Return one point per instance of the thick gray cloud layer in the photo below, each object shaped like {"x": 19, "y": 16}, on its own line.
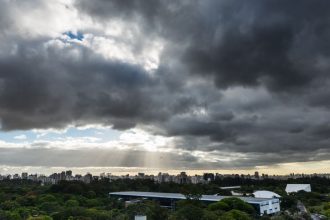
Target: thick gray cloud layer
{"x": 233, "y": 76}
{"x": 115, "y": 158}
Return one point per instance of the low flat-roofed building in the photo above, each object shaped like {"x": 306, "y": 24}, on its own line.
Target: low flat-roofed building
{"x": 290, "y": 188}
{"x": 230, "y": 187}
{"x": 265, "y": 194}
{"x": 262, "y": 205}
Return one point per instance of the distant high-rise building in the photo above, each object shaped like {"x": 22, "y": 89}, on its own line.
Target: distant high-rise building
{"x": 33, "y": 177}
{"x": 68, "y": 173}
{"x": 24, "y": 176}
{"x": 182, "y": 178}
{"x": 256, "y": 175}
{"x": 78, "y": 176}
{"x": 264, "y": 176}
{"x": 88, "y": 178}
{"x": 208, "y": 176}
{"x": 62, "y": 175}
{"x": 163, "y": 177}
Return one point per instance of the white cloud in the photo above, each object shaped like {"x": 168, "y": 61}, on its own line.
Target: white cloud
{"x": 20, "y": 137}
{"x": 44, "y": 132}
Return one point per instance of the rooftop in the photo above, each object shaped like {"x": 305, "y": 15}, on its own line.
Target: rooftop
{"x": 211, "y": 198}
{"x": 265, "y": 194}
{"x": 297, "y": 187}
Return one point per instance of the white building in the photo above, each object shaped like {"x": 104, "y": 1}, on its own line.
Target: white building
{"x": 269, "y": 207}
{"x": 265, "y": 194}
{"x": 262, "y": 205}
{"x": 290, "y": 188}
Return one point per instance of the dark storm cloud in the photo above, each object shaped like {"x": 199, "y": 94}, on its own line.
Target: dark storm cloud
{"x": 262, "y": 43}
{"x": 322, "y": 131}
{"x": 53, "y": 89}
{"x": 234, "y": 76}
{"x": 223, "y": 116}
{"x": 216, "y": 131}
{"x": 237, "y": 42}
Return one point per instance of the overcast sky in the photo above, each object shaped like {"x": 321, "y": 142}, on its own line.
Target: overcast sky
{"x": 134, "y": 85}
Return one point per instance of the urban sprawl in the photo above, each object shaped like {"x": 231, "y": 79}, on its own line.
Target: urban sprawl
{"x": 181, "y": 178}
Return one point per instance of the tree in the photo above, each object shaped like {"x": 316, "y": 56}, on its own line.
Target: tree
{"x": 9, "y": 205}
{"x": 27, "y": 200}
{"x": 236, "y": 203}
{"x": 71, "y": 203}
{"x": 189, "y": 212}
{"x": 219, "y": 206}
{"x": 43, "y": 217}
{"x": 93, "y": 202}
{"x": 327, "y": 213}
{"x": 91, "y": 194}
{"x": 235, "y": 215}
{"x": 288, "y": 202}
{"x": 326, "y": 206}
{"x": 192, "y": 192}
{"x": 149, "y": 208}
{"x": 208, "y": 215}
{"x": 23, "y": 212}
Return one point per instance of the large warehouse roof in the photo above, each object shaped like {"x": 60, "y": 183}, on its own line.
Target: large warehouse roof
{"x": 178, "y": 196}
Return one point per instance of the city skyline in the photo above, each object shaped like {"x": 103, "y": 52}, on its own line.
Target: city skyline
{"x": 176, "y": 176}
{"x": 147, "y": 86}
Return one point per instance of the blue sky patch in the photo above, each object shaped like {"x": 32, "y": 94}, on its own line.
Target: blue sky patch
{"x": 20, "y": 136}
{"x": 78, "y": 35}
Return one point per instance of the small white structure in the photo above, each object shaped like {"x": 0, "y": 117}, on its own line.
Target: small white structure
{"x": 230, "y": 187}
{"x": 140, "y": 217}
{"x": 290, "y": 188}
{"x": 265, "y": 194}
{"x": 233, "y": 193}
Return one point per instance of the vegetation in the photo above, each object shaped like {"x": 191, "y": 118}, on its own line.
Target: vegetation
{"x": 21, "y": 200}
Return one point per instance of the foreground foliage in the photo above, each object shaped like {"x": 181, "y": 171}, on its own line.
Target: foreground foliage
{"x": 21, "y": 200}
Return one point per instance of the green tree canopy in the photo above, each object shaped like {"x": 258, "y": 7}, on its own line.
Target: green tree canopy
{"x": 235, "y": 215}
{"x": 236, "y": 203}
{"x": 221, "y": 205}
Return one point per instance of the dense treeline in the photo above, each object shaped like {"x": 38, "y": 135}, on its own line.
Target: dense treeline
{"x": 102, "y": 187}
{"x": 318, "y": 184}
{"x": 75, "y": 200}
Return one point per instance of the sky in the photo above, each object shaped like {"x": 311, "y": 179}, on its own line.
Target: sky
{"x": 164, "y": 85}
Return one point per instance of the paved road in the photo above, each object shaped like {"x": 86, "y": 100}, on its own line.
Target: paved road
{"x": 318, "y": 217}
{"x": 301, "y": 207}
{"x": 315, "y": 217}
